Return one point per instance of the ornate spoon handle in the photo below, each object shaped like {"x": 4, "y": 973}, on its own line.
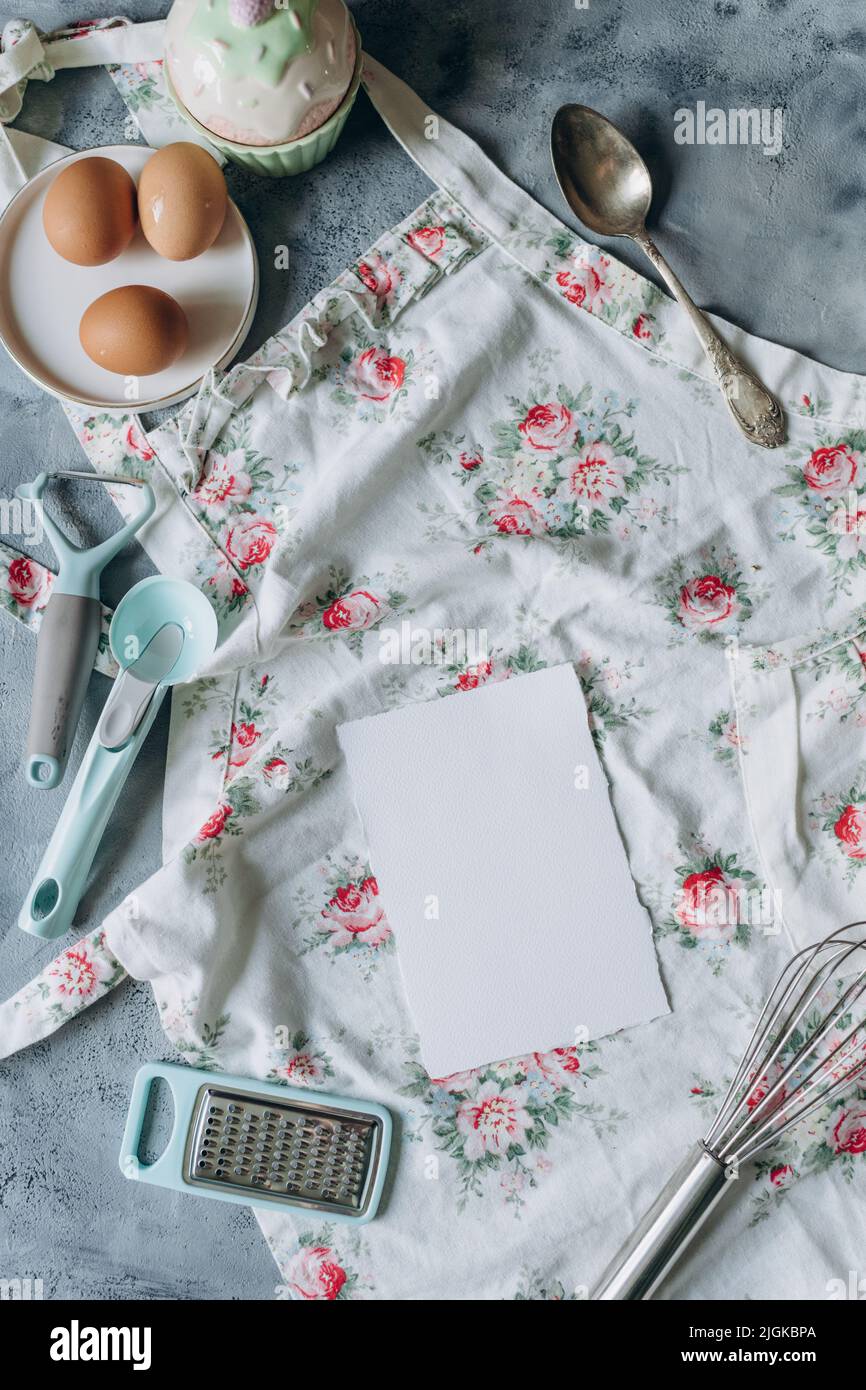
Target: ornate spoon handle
{"x": 757, "y": 413}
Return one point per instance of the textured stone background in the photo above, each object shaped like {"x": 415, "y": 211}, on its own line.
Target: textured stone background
{"x": 775, "y": 244}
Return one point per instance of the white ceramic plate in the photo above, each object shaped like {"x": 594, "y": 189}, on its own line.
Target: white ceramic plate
{"x": 42, "y": 298}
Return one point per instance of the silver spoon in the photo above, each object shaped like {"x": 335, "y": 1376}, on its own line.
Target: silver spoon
{"x": 607, "y": 185}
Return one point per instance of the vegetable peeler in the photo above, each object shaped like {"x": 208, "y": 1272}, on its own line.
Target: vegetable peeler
{"x": 69, "y": 633}
{"x": 161, "y": 632}
{"x": 262, "y": 1144}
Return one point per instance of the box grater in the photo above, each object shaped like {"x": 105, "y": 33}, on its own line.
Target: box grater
{"x": 262, "y": 1144}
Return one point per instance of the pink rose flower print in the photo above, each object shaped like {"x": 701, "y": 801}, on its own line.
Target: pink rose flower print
{"x": 782, "y": 1175}
{"x": 136, "y": 443}
{"x": 74, "y": 975}
{"x": 244, "y": 738}
{"x": 546, "y": 426}
{"x": 492, "y": 1120}
{"x": 761, "y": 1089}
{"x": 379, "y": 276}
{"x": 353, "y": 612}
{"x": 848, "y": 526}
{"x": 707, "y": 602}
{"x": 354, "y": 915}
{"x": 849, "y": 1131}
{"x": 473, "y": 676}
{"x": 708, "y": 905}
{"x": 214, "y": 825}
{"x": 276, "y": 772}
{"x": 595, "y": 474}
{"x": 469, "y": 461}
{"x": 585, "y": 287}
{"x": 850, "y": 830}
{"x": 302, "y": 1069}
{"x": 29, "y": 584}
{"x": 378, "y": 375}
{"x": 642, "y": 328}
{"x": 250, "y": 542}
{"x": 831, "y": 470}
{"x": 430, "y": 241}
{"x": 224, "y": 481}
{"x": 518, "y": 516}
{"x": 313, "y": 1273}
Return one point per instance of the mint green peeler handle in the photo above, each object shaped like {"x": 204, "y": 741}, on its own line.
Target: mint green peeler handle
{"x": 68, "y": 637}
{"x": 52, "y": 902}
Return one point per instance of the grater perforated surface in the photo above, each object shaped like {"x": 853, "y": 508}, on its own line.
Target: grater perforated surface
{"x": 318, "y": 1157}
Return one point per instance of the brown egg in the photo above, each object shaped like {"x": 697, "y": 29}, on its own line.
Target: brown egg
{"x": 135, "y": 330}
{"x": 89, "y": 213}
{"x": 181, "y": 201}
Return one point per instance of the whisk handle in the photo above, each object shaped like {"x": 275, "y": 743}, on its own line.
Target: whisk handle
{"x": 666, "y": 1229}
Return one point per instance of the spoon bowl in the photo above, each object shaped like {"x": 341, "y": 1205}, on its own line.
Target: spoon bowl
{"x": 601, "y": 175}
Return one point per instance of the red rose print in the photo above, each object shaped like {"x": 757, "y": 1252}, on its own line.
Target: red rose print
{"x": 469, "y": 462}
{"x": 428, "y": 240}
{"x": 708, "y": 905}
{"x": 347, "y": 898}
{"x": 707, "y": 602}
{"x": 137, "y": 443}
{"x": 584, "y": 287}
{"x": 850, "y": 828}
{"x": 849, "y": 1133}
{"x": 377, "y": 276}
{"x": 244, "y": 738}
{"x": 831, "y": 471}
{"x": 596, "y": 473}
{"x": 224, "y": 480}
{"x": 29, "y": 583}
{"x": 251, "y": 541}
{"x": 215, "y": 824}
{"x": 546, "y": 426}
{"x": 492, "y": 1120}
{"x": 573, "y": 290}
{"x": 378, "y": 376}
{"x": 474, "y": 676}
{"x": 353, "y": 612}
{"x": 782, "y": 1175}
{"x": 354, "y": 915}
{"x": 75, "y": 973}
{"x": 642, "y": 328}
{"x": 518, "y": 516}
{"x": 276, "y": 770}
{"x": 303, "y": 1069}
{"x": 761, "y": 1090}
{"x": 313, "y": 1273}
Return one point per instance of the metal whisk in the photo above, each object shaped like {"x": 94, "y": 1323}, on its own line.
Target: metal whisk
{"x": 808, "y": 1046}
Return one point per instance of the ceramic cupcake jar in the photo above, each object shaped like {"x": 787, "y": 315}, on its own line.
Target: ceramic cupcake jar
{"x": 268, "y": 82}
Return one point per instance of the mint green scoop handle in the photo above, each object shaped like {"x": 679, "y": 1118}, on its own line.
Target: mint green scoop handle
{"x": 52, "y": 902}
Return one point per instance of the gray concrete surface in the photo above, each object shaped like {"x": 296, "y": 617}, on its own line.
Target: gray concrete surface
{"x": 773, "y": 243}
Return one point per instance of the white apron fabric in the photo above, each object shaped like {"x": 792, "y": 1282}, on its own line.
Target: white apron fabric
{"x": 485, "y": 423}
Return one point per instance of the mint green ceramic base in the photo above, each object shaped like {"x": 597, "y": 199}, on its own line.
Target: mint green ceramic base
{"x": 294, "y": 157}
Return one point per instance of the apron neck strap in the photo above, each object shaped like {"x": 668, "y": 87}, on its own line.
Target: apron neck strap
{"x": 447, "y": 156}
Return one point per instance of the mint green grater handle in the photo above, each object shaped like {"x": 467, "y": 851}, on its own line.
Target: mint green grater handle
{"x": 186, "y": 1084}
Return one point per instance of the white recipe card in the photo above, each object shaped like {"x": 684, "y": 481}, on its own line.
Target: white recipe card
{"x": 502, "y": 871}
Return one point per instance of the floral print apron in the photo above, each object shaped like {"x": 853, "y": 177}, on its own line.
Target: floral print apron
{"x": 486, "y": 423}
